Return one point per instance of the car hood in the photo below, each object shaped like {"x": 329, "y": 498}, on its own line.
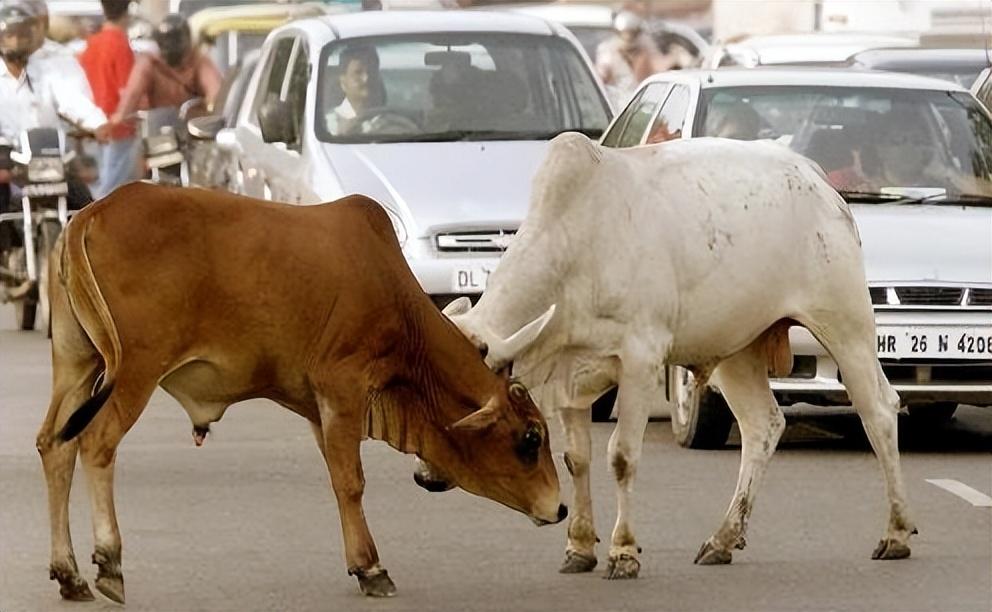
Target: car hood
{"x": 443, "y": 185}
{"x": 913, "y": 242}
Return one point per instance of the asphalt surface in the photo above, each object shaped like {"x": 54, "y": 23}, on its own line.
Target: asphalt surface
{"x": 248, "y": 521}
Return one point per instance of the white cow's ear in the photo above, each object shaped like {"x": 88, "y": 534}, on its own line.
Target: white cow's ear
{"x": 481, "y": 419}
{"x": 457, "y": 307}
{"x": 510, "y": 348}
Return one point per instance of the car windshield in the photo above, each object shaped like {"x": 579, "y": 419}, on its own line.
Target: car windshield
{"x": 896, "y": 142}
{"x": 455, "y": 86}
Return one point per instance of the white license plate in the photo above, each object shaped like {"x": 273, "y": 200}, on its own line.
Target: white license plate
{"x": 954, "y": 342}
{"x": 470, "y": 279}
{"x": 44, "y": 190}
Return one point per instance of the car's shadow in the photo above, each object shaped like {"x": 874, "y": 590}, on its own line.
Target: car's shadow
{"x": 969, "y": 431}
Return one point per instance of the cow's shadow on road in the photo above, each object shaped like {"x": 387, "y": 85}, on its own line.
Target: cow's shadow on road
{"x": 969, "y": 431}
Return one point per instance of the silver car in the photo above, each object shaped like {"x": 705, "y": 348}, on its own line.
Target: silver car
{"x": 451, "y": 118}
{"x": 913, "y": 157}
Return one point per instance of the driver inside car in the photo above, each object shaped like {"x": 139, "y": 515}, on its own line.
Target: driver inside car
{"x": 363, "y": 90}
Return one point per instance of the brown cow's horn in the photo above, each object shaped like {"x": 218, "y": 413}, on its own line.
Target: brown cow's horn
{"x": 480, "y": 419}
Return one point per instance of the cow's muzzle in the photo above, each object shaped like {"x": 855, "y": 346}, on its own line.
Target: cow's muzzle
{"x": 562, "y": 514}
{"x": 427, "y": 479}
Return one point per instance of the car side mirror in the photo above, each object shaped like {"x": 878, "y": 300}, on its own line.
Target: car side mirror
{"x": 276, "y": 120}
{"x": 205, "y": 127}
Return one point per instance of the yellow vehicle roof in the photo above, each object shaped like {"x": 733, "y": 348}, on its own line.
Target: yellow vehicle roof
{"x": 259, "y": 18}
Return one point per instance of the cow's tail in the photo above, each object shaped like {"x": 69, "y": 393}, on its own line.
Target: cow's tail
{"x": 93, "y": 314}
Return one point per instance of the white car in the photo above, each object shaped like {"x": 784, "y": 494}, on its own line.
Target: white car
{"x": 812, "y": 48}
{"x": 913, "y": 157}
{"x": 469, "y": 102}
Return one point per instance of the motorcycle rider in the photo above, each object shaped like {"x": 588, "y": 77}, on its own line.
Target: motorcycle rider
{"x": 33, "y": 94}
{"x": 181, "y": 73}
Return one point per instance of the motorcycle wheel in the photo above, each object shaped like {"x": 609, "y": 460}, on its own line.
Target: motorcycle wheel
{"x": 25, "y": 311}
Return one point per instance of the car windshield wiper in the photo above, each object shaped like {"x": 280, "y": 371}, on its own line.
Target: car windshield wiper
{"x": 871, "y": 197}
{"x": 479, "y": 135}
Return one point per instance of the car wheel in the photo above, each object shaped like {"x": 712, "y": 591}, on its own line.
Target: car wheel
{"x": 700, "y": 417}
{"x": 602, "y": 408}
{"x": 933, "y": 413}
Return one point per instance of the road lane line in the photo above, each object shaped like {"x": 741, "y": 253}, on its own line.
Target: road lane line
{"x": 972, "y": 496}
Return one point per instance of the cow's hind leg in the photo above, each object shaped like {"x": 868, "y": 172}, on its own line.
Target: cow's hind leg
{"x": 98, "y": 450}
{"x": 850, "y": 340}
{"x": 580, "y": 554}
{"x": 341, "y": 448}
{"x": 743, "y": 380}
{"x": 75, "y": 363}
{"x": 59, "y": 462}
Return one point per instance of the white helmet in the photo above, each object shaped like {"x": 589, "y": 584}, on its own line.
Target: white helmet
{"x": 626, "y": 21}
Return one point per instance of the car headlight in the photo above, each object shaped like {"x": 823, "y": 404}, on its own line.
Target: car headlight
{"x": 46, "y": 170}
{"x": 398, "y": 227}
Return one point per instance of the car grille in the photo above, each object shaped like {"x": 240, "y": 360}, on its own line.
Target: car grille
{"x": 980, "y": 297}
{"x": 488, "y": 241}
{"x": 930, "y": 297}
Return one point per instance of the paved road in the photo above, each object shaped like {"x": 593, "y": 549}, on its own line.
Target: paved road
{"x": 248, "y": 521}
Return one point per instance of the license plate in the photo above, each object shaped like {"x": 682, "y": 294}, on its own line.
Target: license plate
{"x": 934, "y": 341}
{"x": 44, "y": 190}
{"x": 470, "y": 279}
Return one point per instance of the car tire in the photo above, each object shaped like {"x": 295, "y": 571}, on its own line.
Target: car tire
{"x": 933, "y": 413}
{"x": 701, "y": 418}
{"x": 602, "y": 408}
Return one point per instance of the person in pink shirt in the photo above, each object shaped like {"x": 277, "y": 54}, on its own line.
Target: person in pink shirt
{"x": 108, "y": 61}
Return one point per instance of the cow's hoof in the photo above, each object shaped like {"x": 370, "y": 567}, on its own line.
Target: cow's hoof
{"x": 711, "y": 555}
{"x": 71, "y": 586}
{"x": 624, "y": 567}
{"x": 741, "y": 543}
{"x": 888, "y": 549}
{"x": 577, "y": 563}
{"x": 376, "y": 585}
{"x": 75, "y": 589}
{"x": 112, "y": 587}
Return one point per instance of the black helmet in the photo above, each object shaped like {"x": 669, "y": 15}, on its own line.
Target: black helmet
{"x": 174, "y": 40}
{"x": 19, "y": 23}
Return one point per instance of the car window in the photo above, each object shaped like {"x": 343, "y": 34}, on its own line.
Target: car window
{"x": 274, "y": 74}
{"x": 891, "y": 141}
{"x": 629, "y": 127}
{"x": 985, "y": 90}
{"x": 456, "y": 86}
{"x": 668, "y": 124}
{"x": 295, "y": 89}
{"x": 642, "y": 114}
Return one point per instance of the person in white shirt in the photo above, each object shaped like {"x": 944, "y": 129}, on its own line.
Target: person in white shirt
{"x": 362, "y": 86}
{"x": 31, "y": 93}
{"x": 62, "y": 58}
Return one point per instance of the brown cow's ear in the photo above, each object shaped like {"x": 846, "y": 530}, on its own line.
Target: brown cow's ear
{"x": 481, "y": 419}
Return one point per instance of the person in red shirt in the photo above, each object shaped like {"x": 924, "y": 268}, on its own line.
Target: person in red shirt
{"x": 108, "y": 62}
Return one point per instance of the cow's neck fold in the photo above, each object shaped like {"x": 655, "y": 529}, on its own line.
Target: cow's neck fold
{"x": 437, "y": 379}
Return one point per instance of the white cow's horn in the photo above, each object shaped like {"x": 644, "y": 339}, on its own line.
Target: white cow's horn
{"x": 503, "y": 352}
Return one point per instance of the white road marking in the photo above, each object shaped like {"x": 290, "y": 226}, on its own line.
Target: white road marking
{"x": 972, "y": 496}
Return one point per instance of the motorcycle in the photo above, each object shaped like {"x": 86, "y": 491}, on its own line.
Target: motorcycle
{"x": 166, "y": 142}
{"x": 37, "y": 165}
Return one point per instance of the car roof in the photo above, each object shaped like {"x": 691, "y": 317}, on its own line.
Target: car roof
{"x": 920, "y": 57}
{"x": 808, "y": 77}
{"x": 814, "y": 47}
{"x": 385, "y": 23}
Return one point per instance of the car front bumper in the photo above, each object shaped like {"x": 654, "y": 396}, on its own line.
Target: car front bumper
{"x": 815, "y": 378}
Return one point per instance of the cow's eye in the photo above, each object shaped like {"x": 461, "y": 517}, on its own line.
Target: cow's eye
{"x": 530, "y": 444}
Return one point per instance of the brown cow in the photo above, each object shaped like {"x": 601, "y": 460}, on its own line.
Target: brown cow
{"x": 219, "y": 298}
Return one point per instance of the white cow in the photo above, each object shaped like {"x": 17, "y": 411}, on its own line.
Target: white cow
{"x": 699, "y": 253}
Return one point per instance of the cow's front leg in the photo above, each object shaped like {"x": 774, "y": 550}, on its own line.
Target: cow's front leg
{"x": 342, "y": 439}
{"x": 580, "y": 553}
{"x": 641, "y": 386}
